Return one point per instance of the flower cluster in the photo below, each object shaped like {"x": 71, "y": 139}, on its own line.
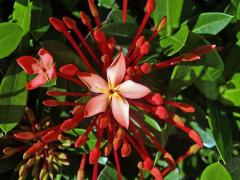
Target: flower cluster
{"x": 114, "y": 90}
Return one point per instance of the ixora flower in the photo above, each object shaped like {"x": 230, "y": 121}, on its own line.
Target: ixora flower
{"x": 116, "y": 93}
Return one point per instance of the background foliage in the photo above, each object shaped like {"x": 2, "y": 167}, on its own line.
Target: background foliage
{"x": 212, "y": 85}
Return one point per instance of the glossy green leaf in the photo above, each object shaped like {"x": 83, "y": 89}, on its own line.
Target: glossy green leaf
{"x": 211, "y": 23}
{"x": 170, "y": 8}
{"x": 109, "y": 173}
{"x": 10, "y": 37}
{"x": 215, "y": 171}
{"x": 231, "y": 91}
{"x": 13, "y": 97}
{"x": 233, "y": 167}
{"x": 221, "y": 129}
{"x": 106, "y": 3}
{"x": 41, "y": 11}
{"x": 173, "y": 44}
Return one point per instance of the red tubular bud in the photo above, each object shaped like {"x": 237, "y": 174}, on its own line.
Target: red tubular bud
{"x": 51, "y": 103}
{"x": 148, "y": 164}
{"x": 116, "y": 144}
{"x": 28, "y": 135}
{"x": 57, "y": 24}
{"x": 12, "y": 150}
{"x": 93, "y": 8}
{"x": 69, "y": 70}
{"x": 145, "y": 48}
{"x": 99, "y": 36}
{"x": 70, "y": 23}
{"x": 162, "y": 23}
{"x": 178, "y": 120}
{"x": 157, "y": 99}
{"x": 140, "y": 41}
{"x": 94, "y": 155}
{"x": 108, "y": 149}
{"x": 54, "y": 93}
{"x": 50, "y": 136}
{"x": 85, "y": 19}
{"x": 195, "y": 137}
{"x": 193, "y": 149}
{"x": 69, "y": 124}
{"x": 120, "y": 133}
{"x": 204, "y": 49}
{"x": 146, "y": 68}
{"x": 105, "y": 59}
{"x": 126, "y": 149}
{"x": 161, "y": 112}
{"x": 168, "y": 157}
{"x": 150, "y": 6}
{"x": 156, "y": 173}
{"x": 80, "y": 141}
{"x": 33, "y": 149}
{"x": 190, "y": 57}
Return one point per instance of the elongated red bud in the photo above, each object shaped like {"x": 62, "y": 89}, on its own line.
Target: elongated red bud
{"x": 27, "y": 135}
{"x": 140, "y": 41}
{"x": 168, "y": 157}
{"x": 204, "y": 49}
{"x": 55, "y": 93}
{"x": 145, "y": 48}
{"x": 126, "y": 149}
{"x": 70, "y": 23}
{"x": 190, "y": 57}
{"x": 178, "y": 121}
{"x": 148, "y": 164}
{"x": 69, "y": 124}
{"x": 108, "y": 149}
{"x": 162, "y": 23}
{"x": 57, "y": 24}
{"x": 85, "y": 19}
{"x": 195, "y": 137}
{"x": 161, "y": 112}
{"x": 186, "y": 108}
{"x": 33, "y": 149}
{"x": 12, "y": 150}
{"x": 193, "y": 149}
{"x": 116, "y": 144}
{"x": 51, "y": 103}
{"x": 69, "y": 70}
{"x": 157, "y": 99}
{"x": 93, "y": 8}
{"x": 80, "y": 141}
{"x": 99, "y": 36}
{"x": 150, "y": 6}
{"x": 120, "y": 133}
{"x": 50, "y": 136}
{"x": 156, "y": 173}
{"x": 94, "y": 155}
{"x": 146, "y": 68}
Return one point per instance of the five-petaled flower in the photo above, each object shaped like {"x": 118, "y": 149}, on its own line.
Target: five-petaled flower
{"x": 112, "y": 91}
{"x": 44, "y": 68}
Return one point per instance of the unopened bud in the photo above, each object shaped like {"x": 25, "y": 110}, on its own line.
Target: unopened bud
{"x": 145, "y": 48}
{"x": 80, "y": 141}
{"x": 140, "y": 42}
{"x": 162, "y": 112}
{"x": 94, "y": 155}
{"x": 30, "y": 162}
{"x": 126, "y": 149}
{"x": 93, "y": 8}
{"x": 193, "y": 149}
{"x": 43, "y": 172}
{"x": 70, "y": 23}
{"x": 148, "y": 164}
{"x": 157, "y": 99}
{"x": 28, "y": 135}
{"x": 108, "y": 149}
{"x": 150, "y": 6}
{"x": 69, "y": 70}
{"x": 99, "y": 36}
{"x": 57, "y": 24}
{"x": 85, "y": 19}
{"x": 162, "y": 23}
{"x": 146, "y": 68}
{"x": 168, "y": 157}
{"x": 195, "y": 137}
{"x": 116, "y": 144}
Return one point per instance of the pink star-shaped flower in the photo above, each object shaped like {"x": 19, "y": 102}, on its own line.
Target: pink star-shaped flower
{"x": 113, "y": 92}
{"x": 44, "y": 68}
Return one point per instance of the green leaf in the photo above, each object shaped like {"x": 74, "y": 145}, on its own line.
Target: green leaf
{"x": 221, "y": 129}
{"x": 211, "y": 23}
{"x": 173, "y": 44}
{"x": 109, "y": 173}
{"x": 13, "y": 97}
{"x": 215, "y": 171}
{"x": 205, "y": 73}
{"x": 106, "y": 3}
{"x": 233, "y": 167}
{"x": 170, "y": 8}
{"x": 230, "y": 92}
{"x": 10, "y": 37}
{"x": 41, "y": 11}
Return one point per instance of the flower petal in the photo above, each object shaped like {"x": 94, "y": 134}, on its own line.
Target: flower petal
{"x": 120, "y": 110}
{"x": 45, "y": 57}
{"x": 29, "y": 64}
{"x": 117, "y": 70}
{"x": 94, "y": 82}
{"x": 38, "y": 81}
{"x": 51, "y": 72}
{"x": 132, "y": 90}
{"x": 96, "y": 105}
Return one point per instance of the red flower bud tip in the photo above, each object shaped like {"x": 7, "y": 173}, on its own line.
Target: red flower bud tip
{"x": 193, "y": 149}
{"x": 162, "y": 23}
{"x": 108, "y": 149}
{"x": 105, "y": 59}
{"x": 140, "y": 42}
{"x": 99, "y": 36}
{"x": 190, "y": 57}
{"x": 111, "y": 43}
{"x": 94, "y": 155}
{"x": 126, "y": 149}
{"x": 120, "y": 133}
{"x": 28, "y": 135}
{"x": 178, "y": 120}
{"x": 148, "y": 164}
{"x": 80, "y": 141}
{"x": 11, "y": 150}
{"x": 140, "y": 165}
{"x": 204, "y": 49}
{"x": 156, "y": 173}
{"x": 146, "y": 68}
{"x": 195, "y": 137}
{"x": 186, "y": 108}
{"x": 145, "y": 48}
{"x": 78, "y": 109}
{"x": 168, "y": 157}
{"x": 161, "y": 112}
{"x": 54, "y": 93}
{"x": 150, "y": 6}
{"x": 69, "y": 70}
{"x": 69, "y": 124}
{"x": 33, "y": 149}
{"x": 93, "y": 8}
{"x": 57, "y": 24}
{"x": 116, "y": 144}
{"x": 51, "y": 103}
{"x": 50, "y": 136}
{"x": 157, "y": 99}
{"x": 104, "y": 122}
{"x": 85, "y": 19}
{"x": 70, "y": 23}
